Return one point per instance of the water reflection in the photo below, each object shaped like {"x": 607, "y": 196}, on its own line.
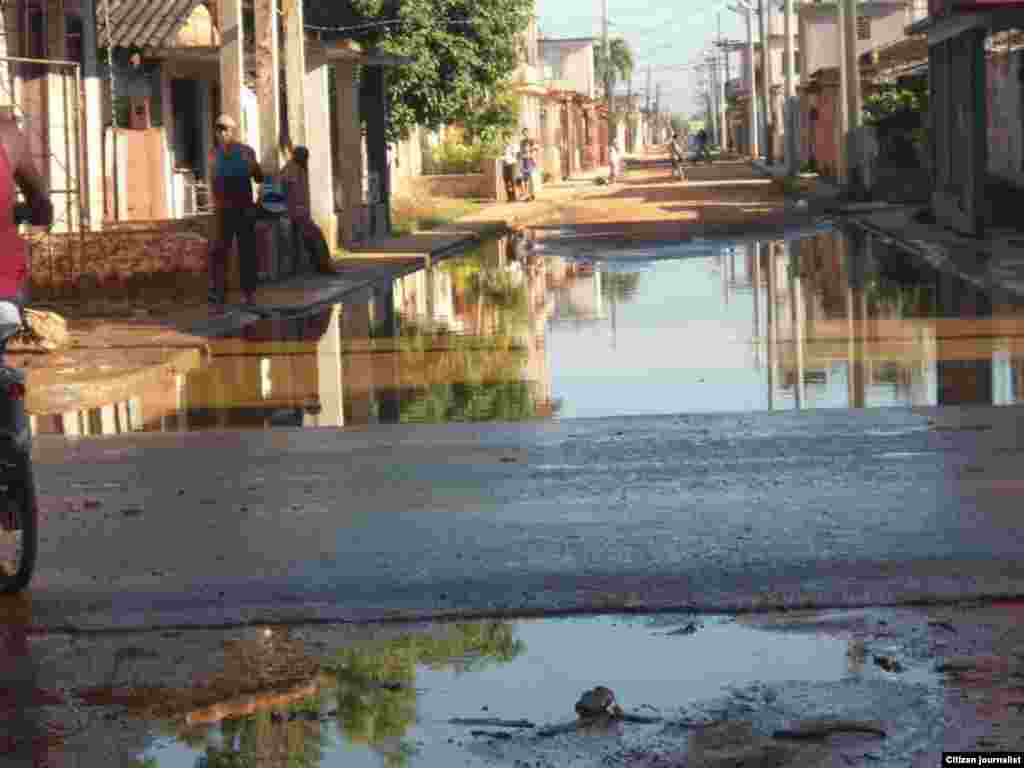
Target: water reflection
{"x": 460, "y": 340}
{"x": 834, "y": 320}
{"x": 526, "y": 328}
{"x": 365, "y": 698}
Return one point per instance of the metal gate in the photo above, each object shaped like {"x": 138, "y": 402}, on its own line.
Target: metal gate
{"x": 45, "y": 97}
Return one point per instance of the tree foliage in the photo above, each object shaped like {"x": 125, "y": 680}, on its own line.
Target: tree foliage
{"x": 622, "y": 63}
{"x": 462, "y": 53}
{"x": 898, "y": 115}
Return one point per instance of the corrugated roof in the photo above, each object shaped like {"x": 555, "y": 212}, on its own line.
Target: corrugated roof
{"x": 142, "y": 23}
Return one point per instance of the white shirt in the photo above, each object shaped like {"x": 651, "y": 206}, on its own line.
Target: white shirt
{"x": 510, "y": 154}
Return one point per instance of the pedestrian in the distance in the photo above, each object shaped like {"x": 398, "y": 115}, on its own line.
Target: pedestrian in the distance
{"x": 509, "y": 161}
{"x": 613, "y": 162}
{"x": 676, "y": 150}
{"x": 702, "y": 145}
{"x": 234, "y": 168}
{"x": 305, "y": 232}
{"x": 526, "y": 167}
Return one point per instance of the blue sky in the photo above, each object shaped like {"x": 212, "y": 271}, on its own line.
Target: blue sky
{"x": 665, "y": 34}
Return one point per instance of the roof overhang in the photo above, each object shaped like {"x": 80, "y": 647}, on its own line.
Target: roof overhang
{"x": 993, "y": 17}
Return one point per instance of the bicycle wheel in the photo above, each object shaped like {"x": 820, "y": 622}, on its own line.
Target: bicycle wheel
{"x": 19, "y": 529}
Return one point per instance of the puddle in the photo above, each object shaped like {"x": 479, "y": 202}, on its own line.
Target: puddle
{"x": 555, "y": 326}
{"x": 391, "y": 702}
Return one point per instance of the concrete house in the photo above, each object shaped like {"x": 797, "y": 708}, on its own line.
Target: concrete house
{"x": 975, "y": 81}
{"x": 569, "y": 72}
{"x": 130, "y": 145}
{"x": 880, "y": 25}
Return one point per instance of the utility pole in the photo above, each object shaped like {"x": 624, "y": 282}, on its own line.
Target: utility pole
{"x": 853, "y": 97}
{"x": 764, "y": 15}
{"x": 657, "y": 111}
{"x": 789, "y": 103}
{"x": 649, "y": 137}
{"x": 607, "y": 73}
{"x": 752, "y": 79}
{"x": 629, "y": 115}
{"x": 843, "y": 107}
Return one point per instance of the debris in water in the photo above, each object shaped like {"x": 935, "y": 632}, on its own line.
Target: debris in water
{"x": 888, "y": 663}
{"x": 597, "y": 701}
{"x": 822, "y": 728}
{"x": 688, "y": 629}
{"x": 493, "y": 721}
{"x": 492, "y": 734}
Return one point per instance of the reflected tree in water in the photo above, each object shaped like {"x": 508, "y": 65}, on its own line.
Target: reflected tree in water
{"x": 378, "y": 716}
{"x": 621, "y": 286}
{"x": 368, "y": 711}
{"x": 295, "y": 742}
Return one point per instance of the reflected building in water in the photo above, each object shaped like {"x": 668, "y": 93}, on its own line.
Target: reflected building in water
{"x": 463, "y": 339}
{"x": 848, "y": 321}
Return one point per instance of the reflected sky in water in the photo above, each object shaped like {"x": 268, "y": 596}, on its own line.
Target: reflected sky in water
{"x": 551, "y": 326}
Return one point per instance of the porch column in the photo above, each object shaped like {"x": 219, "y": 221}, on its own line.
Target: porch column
{"x": 232, "y": 62}
{"x": 93, "y": 170}
{"x": 295, "y": 72}
{"x": 318, "y": 133}
{"x": 268, "y": 84}
{"x": 60, "y": 119}
{"x": 9, "y": 35}
{"x": 375, "y": 111}
{"x": 349, "y": 157}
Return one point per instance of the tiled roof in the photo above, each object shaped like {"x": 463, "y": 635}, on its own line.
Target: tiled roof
{"x": 142, "y": 23}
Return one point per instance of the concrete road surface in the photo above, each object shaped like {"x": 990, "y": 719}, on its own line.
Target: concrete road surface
{"x": 715, "y": 512}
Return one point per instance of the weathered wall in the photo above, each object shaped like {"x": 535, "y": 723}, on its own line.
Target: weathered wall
{"x": 407, "y": 161}
{"x": 468, "y": 185}
{"x": 820, "y": 48}
{"x": 571, "y": 61}
{"x": 150, "y": 259}
{"x": 1005, "y": 140}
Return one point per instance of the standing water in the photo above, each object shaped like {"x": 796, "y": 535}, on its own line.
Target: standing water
{"x": 552, "y": 326}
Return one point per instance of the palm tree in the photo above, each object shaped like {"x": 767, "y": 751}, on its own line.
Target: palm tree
{"x": 621, "y": 57}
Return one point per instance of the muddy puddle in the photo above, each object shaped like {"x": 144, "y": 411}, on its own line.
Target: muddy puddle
{"x": 494, "y": 693}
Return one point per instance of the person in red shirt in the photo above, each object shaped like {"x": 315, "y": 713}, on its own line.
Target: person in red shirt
{"x": 17, "y": 171}
{"x": 304, "y": 230}
{"x": 234, "y": 167}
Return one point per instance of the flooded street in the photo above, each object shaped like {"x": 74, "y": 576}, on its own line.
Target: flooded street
{"x": 546, "y": 425}
{"x": 551, "y": 326}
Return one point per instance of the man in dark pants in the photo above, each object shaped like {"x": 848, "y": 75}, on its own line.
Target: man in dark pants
{"x": 234, "y": 167}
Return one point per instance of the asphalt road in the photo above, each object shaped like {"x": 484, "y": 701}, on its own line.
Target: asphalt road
{"x": 714, "y": 512}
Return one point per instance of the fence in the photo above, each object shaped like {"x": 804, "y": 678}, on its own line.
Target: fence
{"x": 45, "y": 97}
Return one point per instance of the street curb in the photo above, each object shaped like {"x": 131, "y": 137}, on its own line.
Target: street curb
{"x": 253, "y": 314}
{"x": 935, "y": 256}
{"x": 62, "y": 396}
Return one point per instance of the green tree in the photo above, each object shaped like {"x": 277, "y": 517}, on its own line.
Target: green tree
{"x": 621, "y": 57}
{"x": 462, "y": 53}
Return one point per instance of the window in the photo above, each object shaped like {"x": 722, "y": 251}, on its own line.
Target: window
{"x": 863, "y": 28}
{"x": 797, "y": 55}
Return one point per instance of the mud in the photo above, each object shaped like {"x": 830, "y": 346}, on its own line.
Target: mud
{"x": 787, "y": 689}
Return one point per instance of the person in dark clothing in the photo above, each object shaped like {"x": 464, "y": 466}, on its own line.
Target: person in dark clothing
{"x": 234, "y": 167}
{"x": 304, "y": 230}
{"x": 702, "y": 145}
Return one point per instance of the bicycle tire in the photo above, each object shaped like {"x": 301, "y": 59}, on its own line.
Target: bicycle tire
{"x": 27, "y": 511}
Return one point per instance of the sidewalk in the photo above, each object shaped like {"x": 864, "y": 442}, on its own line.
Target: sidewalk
{"x": 997, "y": 260}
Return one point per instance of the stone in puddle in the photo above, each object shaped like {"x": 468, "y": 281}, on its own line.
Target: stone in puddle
{"x": 888, "y": 663}
{"x": 598, "y": 701}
